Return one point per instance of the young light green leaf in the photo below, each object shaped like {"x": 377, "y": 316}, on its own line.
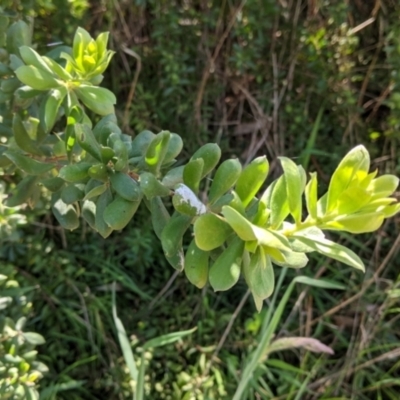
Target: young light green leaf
{"x": 294, "y": 187}
{"x": 210, "y": 231}
{"x": 225, "y": 178}
{"x": 225, "y": 271}
{"x": 31, "y": 57}
{"x": 354, "y": 161}
{"x": 251, "y": 179}
{"x": 311, "y": 194}
{"x": 279, "y": 203}
{"x": 384, "y": 185}
{"x": 332, "y": 250}
{"x": 356, "y": 223}
{"x": 196, "y": 265}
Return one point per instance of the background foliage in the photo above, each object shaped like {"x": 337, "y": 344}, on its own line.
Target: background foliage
{"x": 306, "y": 79}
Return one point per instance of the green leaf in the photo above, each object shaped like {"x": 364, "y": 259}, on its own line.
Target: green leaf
{"x": 332, "y": 250}
{"x": 57, "y": 69}
{"x": 192, "y": 174}
{"x": 156, "y": 151}
{"x": 22, "y": 138}
{"x": 175, "y": 146}
{"x": 72, "y": 193}
{"x": 159, "y": 215}
{"x": 251, "y": 179}
{"x": 65, "y": 214}
{"x": 31, "y": 57}
{"x": 101, "y": 204}
{"x": 27, "y": 164}
{"x": 152, "y": 187}
{"x": 294, "y": 187}
{"x": 87, "y": 140}
{"x": 356, "y": 160}
{"x": 196, "y": 265}
{"x": 311, "y": 194}
{"x": 18, "y": 34}
{"x": 89, "y": 212}
{"x": 167, "y": 339}
{"x": 36, "y": 78}
{"x": 292, "y": 259}
{"x": 125, "y": 186}
{"x": 99, "y": 172}
{"x": 172, "y": 234}
{"x": 119, "y": 212}
{"x": 52, "y": 106}
{"x": 173, "y": 177}
{"x": 210, "y": 153}
{"x": 74, "y": 172}
{"x": 33, "y": 338}
{"x": 259, "y": 274}
{"x": 357, "y": 223}
{"x": 210, "y": 231}
{"x": 121, "y": 154}
{"x": 186, "y": 202}
{"x": 97, "y": 99}
{"x": 95, "y": 192}
{"x": 23, "y": 192}
{"x": 53, "y": 184}
{"x": 384, "y": 185}
{"x": 225, "y": 178}
{"x": 225, "y": 271}
{"x": 140, "y": 143}
{"x": 279, "y": 204}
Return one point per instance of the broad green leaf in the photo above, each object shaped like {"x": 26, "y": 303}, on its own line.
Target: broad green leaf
{"x": 196, "y": 265}
{"x": 259, "y": 274}
{"x": 95, "y": 192}
{"x": 166, "y": 339}
{"x": 210, "y": 231}
{"x": 125, "y": 186}
{"x": 119, "y": 212}
{"x": 210, "y": 153}
{"x": 57, "y": 69}
{"x": 18, "y": 34}
{"x": 23, "y": 191}
{"x": 262, "y": 216}
{"x": 192, "y": 174}
{"x": 99, "y": 172}
{"x": 292, "y": 259}
{"x": 294, "y": 187}
{"x": 159, "y": 215}
{"x": 101, "y": 204}
{"x": 89, "y": 212}
{"x": 332, "y": 250}
{"x": 251, "y": 179}
{"x": 356, "y": 160}
{"x": 152, "y": 187}
{"x": 53, "y": 184}
{"x": 87, "y": 140}
{"x": 52, "y": 106}
{"x": 225, "y": 271}
{"x": 33, "y": 338}
{"x": 36, "y": 78}
{"x": 27, "y": 164}
{"x": 31, "y": 57}
{"x": 224, "y": 179}
{"x": 22, "y": 138}
{"x": 74, "y": 172}
{"x": 172, "y": 234}
{"x": 97, "y": 99}
{"x": 65, "y": 214}
{"x": 121, "y": 154}
{"x": 72, "y": 193}
{"x": 357, "y": 223}
{"x": 311, "y": 194}
{"x": 391, "y": 211}
{"x": 279, "y": 203}
{"x": 352, "y": 199}
{"x": 186, "y": 202}
{"x": 140, "y": 143}
{"x": 175, "y": 146}
{"x": 173, "y": 177}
